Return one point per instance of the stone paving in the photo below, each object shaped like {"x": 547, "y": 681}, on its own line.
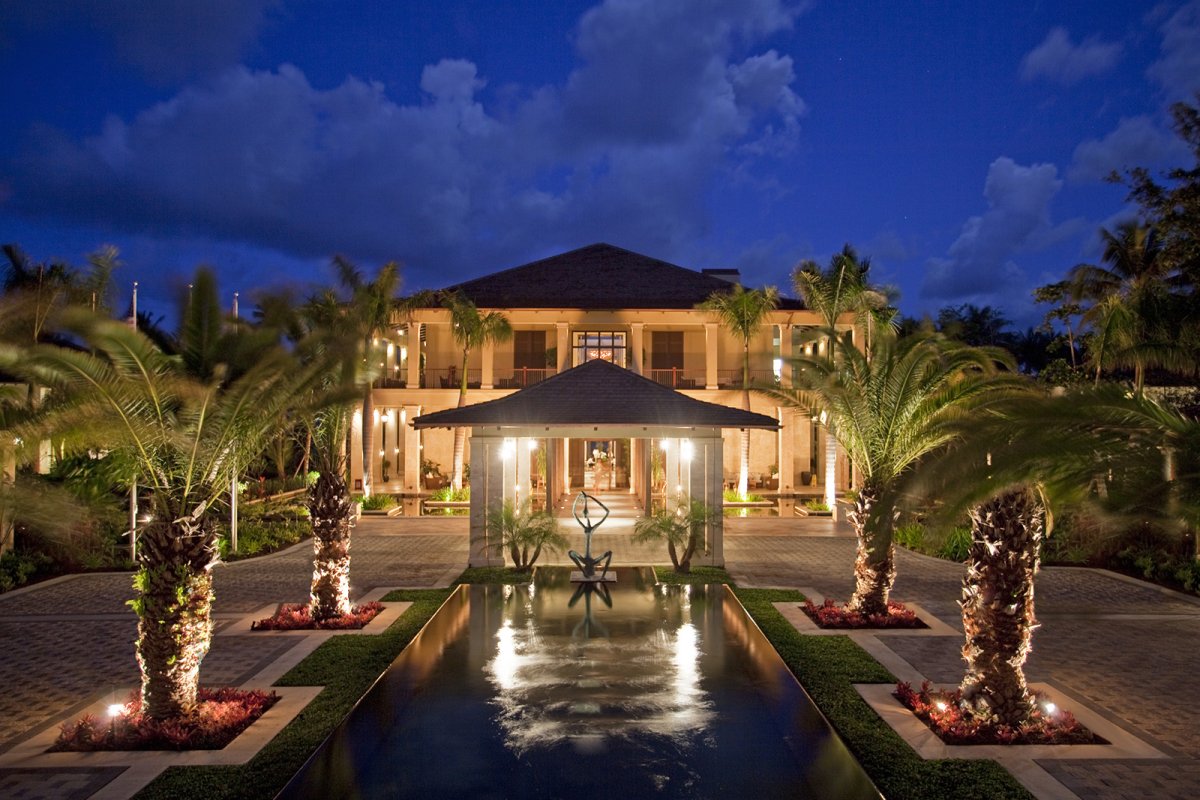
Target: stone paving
{"x": 1127, "y": 648}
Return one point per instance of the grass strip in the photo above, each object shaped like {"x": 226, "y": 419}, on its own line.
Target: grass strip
{"x": 699, "y": 575}
{"x": 346, "y": 666}
{"x": 502, "y": 575}
{"x": 827, "y": 667}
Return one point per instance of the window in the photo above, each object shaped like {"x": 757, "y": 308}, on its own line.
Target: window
{"x": 529, "y": 349}
{"x": 600, "y": 345}
{"x": 666, "y": 351}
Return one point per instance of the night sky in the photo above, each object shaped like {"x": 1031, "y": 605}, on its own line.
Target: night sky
{"x": 961, "y": 145}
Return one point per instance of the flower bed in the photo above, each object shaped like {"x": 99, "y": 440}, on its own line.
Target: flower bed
{"x": 830, "y": 615}
{"x": 298, "y": 617}
{"x": 220, "y": 716}
{"x": 945, "y": 715}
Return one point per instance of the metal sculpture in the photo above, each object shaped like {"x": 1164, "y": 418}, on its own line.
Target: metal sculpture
{"x": 587, "y": 563}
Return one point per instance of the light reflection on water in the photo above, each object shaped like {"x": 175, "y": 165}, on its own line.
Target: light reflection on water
{"x": 550, "y": 692}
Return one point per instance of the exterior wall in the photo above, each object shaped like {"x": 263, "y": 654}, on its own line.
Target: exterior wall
{"x": 441, "y": 352}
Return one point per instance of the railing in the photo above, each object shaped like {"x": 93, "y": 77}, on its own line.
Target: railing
{"x": 732, "y": 378}
{"x": 451, "y": 378}
{"x": 677, "y": 378}
{"x": 390, "y": 383}
{"x": 522, "y": 377}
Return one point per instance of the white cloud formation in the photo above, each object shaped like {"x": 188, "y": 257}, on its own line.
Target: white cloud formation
{"x": 1177, "y": 69}
{"x": 1135, "y": 142}
{"x": 1017, "y": 219}
{"x": 625, "y": 148}
{"x": 1058, "y": 59}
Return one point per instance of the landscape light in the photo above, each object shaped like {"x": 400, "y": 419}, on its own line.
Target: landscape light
{"x": 941, "y": 706}
{"x": 1050, "y": 707}
{"x": 116, "y": 710}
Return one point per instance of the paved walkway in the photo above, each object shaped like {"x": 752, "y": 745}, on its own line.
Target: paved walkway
{"x": 1129, "y": 649}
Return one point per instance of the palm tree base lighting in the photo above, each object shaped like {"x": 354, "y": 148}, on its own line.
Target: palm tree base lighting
{"x": 174, "y": 607}
{"x": 997, "y": 605}
{"x": 329, "y": 506}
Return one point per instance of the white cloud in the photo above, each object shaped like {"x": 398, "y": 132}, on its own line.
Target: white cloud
{"x": 1135, "y": 142}
{"x": 1178, "y": 68}
{"x": 1058, "y": 59}
{"x": 662, "y": 101}
{"x": 1017, "y": 219}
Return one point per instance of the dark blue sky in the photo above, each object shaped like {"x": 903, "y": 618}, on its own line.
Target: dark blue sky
{"x": 960, "y": 145}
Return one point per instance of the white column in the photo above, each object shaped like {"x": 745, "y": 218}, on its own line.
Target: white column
{"x": 412, "y": 449}
{"x": 831, "y": 472}
{"x": 710, "y": 486}
{"x": 711, "y": 343}
{"x": 787, "y": 449}
{"x": 488, "y": 483}
{"x": 563, "y": 344}
{"x": 786, "y": 355}
{"x": 413, "y": 380}
{"x": 487, "y": 358}
{"x": 672, "y": 485}
{"x": 524, "y": 486}
{"x": 636, "y": 332}
{"x": 356, "y": 461}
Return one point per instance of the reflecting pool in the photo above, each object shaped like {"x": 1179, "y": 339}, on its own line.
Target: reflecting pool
{"x": 556, "y": 690}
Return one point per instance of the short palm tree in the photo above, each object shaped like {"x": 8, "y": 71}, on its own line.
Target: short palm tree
{"x": 1007, "y": 478}
{"x": 471, "y": 329}
{"x": 184, "y": 439}
{"x": 682, "y": 528}
{"x": 888, "y": 409}
{"x": 526, "y": 533}
{"x": 743, "y": 312}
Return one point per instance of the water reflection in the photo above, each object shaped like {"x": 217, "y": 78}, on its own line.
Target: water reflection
{"x": 585, "y": 687}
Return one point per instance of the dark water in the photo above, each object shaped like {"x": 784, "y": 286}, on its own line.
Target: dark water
{"x": 548, "y": 691}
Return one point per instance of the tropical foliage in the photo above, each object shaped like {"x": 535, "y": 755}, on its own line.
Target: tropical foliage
{"x": 526, "y": 533}
{"x": 682, "y": 528}
{"x": 743, "y": 312}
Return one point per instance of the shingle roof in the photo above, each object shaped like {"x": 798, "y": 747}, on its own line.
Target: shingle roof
{"x": 599, "y": 276}
{"x": 596, "y": 393}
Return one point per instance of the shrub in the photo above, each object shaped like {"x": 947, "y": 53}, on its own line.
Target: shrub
{"x": 18, "y": 567}
{"x": 526, "y": 533}
{"x": 448, "y": 494}
{"x": 816, "y": 505}
{"x": 377, "y": 502}
{"x": 957, "y": 545}
{"x": 732, "y": 496}
{"x": 265, "y": 528}
{"x": 298, "y": 617}
{"x": 911, "y": 536}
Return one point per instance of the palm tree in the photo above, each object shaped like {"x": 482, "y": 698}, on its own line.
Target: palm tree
{"x": 1133, "y": 299}
{"x": 889, "y": 408}
{"x": 681, "y": 527}
{"x": 839, "y": 290}
{"x": 184, "y": 439}
{"x": 471, "y": 329}
{"x": 743, "y": 312}
{"x": 1008, "y": 478}
{"x": 522, "y": 530}
{"x": 372, "y": 304}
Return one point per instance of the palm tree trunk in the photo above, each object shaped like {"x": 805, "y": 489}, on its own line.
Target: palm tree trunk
{"x": 368, "y": 439}
{"x": 674, "y": 557}
{"x": 744, "y": 462}
{"x": 875, "y": 563}
{"x": 332, "y": 520}
{"x": 460, "y": 433}
{"x": 174, "y": 608}
{"x": 997, "y": 605}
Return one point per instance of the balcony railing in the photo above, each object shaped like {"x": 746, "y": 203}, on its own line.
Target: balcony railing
{"x": 732, "y": 378}
{"x": 451, "y": 378}
{"x": 677, "y": 378}
{"x": 522, "y": 377}
{"x": 390, "y": 383}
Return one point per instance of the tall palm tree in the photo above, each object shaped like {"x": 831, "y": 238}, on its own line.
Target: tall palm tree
{"x": 184, "y": 439}
{"x": 1132, "y": 299}
{"x": 743, "y": 312}
{"x": 834, "y": 292}
{"x": 372, "y": 303}
{"x": 889, "y": 408}
{"x": 471, "y": 329}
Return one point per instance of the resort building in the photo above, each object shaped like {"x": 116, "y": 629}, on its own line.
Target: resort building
{"x": 596, "y": 303}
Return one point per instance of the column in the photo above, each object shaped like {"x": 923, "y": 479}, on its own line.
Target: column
{"x": 563, "y": 333}
{"x": 412, "y": 449}
{"x": 636, "y": 330}
{"x": 712, "y": 488}
{"x": 711, "y": 343}
{"x": 489, "y": 476}
{"x": 787, "y": 449}
{"x": 672, "y": 486}
{"x": 831, "y": 472}
{"x": 487, "y": 356}
{"x": 647, "y": 475}
{"x": 553, "y": 464}
{"x": 524, "y": 486}
{"x": 786, "y": 355}
{"x": 356, "y": 453}
{"x": 413, "y": 380}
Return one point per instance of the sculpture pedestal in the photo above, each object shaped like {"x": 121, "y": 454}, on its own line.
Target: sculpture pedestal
{"x": 579, "y": 577}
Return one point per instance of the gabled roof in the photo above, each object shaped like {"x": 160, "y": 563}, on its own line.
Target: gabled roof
{"x": 596, "y": 393}
{"x": 599, "y": 276}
